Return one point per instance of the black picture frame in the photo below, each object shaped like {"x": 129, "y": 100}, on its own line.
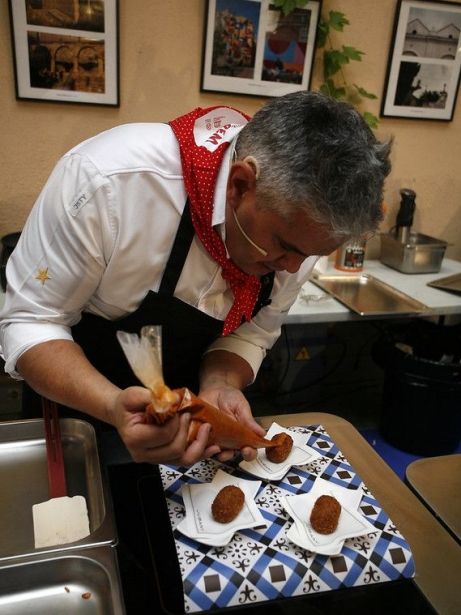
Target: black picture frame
{"x": 68, "y": 54}
{"x": 251, "y": 48}
{"x": 423, "y": 72}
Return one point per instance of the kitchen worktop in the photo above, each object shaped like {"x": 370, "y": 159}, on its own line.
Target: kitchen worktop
{"x": 314, "y": 305}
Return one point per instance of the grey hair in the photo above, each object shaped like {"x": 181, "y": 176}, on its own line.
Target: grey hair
{"x": 318, "y": 155}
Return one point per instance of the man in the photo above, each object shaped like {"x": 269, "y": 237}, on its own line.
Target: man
{"x": 208, "y": 226}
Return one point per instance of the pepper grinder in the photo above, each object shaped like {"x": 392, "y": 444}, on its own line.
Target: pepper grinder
{"x": 405, "y": 215}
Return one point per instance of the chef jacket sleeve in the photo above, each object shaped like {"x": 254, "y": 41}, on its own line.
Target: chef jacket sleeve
{"x": 59, "y": 259}
{"x": 253, "y": 339}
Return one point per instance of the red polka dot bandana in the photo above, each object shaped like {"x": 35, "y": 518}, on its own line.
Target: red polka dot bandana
{"x": 203, "y": 136}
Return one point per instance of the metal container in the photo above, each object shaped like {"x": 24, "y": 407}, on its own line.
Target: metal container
{"x": 418, "y": 254}
{"x": 80, "y": 582}
{"x": 24, "y": 482}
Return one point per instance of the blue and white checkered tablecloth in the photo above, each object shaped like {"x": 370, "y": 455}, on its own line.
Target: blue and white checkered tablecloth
{"x": 261, "y": 564}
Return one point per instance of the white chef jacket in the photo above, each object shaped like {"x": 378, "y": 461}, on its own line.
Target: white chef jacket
{"x": 98, "y": 239}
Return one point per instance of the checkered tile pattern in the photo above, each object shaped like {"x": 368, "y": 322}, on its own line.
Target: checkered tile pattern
{"x": 261, "y": 564}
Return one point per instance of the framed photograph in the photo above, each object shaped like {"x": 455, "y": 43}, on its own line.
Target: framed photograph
{"x": 423, "y": 70}
{"x": 251, "y": 48}
{"x": 66, "y": 51}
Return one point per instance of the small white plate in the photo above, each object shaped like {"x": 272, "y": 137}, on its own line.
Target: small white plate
{"x": 351, "y": 522}
{"x": 199, "y": 523}
{"x": 300, "y": 455}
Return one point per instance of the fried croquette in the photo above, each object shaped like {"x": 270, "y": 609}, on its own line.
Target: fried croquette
{"x": 227, "y": 504}
{"x": 325, "y": 514}
{"x": 279, "y": 453}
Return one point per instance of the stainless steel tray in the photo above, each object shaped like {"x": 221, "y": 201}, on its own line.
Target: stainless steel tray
{"x": 79, "y": 582}
{"x": 367, "y": 295}
{"x": 24, "y": 482}
{"x": 452, "y": 283}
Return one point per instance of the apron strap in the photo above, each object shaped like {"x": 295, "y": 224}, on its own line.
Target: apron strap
{"x": 267, "y": 283}
{"x": 178, "y": 254}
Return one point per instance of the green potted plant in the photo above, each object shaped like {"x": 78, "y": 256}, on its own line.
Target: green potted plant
{"x": 335, "y": 59}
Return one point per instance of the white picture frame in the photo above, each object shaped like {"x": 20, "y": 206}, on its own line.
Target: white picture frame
{"x": 423, "y": 72}
{"x": 67, "y": 54}
{"x": 251, "y": 48}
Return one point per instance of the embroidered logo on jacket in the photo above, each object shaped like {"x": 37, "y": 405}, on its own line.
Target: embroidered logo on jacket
{"x": 42, "y": 275}
{"x": 218, "y": 126}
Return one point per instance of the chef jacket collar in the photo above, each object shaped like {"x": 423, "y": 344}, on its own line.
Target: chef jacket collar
{"x": 219, "y": 205}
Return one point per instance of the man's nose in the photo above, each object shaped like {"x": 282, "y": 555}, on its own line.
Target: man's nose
{"x": 290, "y": 262}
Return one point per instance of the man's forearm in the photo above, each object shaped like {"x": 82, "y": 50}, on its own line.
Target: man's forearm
{"x": 220, "y": 367}
{"x": 59, "y": 370}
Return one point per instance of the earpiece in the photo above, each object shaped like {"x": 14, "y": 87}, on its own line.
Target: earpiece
{"x": 252, "y": 160}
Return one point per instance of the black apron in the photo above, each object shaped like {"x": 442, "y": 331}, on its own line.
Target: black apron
{"x": 186, "y": 332}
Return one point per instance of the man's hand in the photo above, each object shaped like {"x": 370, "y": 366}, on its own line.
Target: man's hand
{"x": 223, "y": 375}
{"x": 157, "y": 444}
{"x": 231, "y": 400}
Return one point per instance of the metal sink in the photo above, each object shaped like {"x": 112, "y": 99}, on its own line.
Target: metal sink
{"x": 24, "y": 482}
{"x": 79, "y": 582}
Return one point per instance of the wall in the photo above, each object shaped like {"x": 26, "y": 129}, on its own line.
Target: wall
{"x": 160, "y": 62}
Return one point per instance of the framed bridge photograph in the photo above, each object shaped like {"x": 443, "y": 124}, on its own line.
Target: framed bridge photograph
{"x": 423, "y": 70}
{"x": 66, "y": 52}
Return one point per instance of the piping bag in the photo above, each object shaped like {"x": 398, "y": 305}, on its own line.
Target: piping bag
{"x": 144, "y": 354}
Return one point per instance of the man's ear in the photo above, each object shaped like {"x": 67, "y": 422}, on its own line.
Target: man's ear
{"x": 240, "y": 181}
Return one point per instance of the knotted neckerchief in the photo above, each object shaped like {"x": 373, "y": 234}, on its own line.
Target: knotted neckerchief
{"x": 203, "y": 136}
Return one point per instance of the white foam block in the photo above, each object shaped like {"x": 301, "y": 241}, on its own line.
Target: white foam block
{"x": 60, "y": 521}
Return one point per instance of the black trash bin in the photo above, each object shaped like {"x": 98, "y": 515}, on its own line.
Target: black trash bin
{"x": 421, "y": 404}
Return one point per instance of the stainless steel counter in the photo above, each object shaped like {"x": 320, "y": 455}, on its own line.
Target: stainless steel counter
{"x": 315, "y": 305}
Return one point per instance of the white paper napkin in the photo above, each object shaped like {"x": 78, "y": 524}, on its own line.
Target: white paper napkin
{"x": 199, "y": 523}
{"x": 301, "y": 454}
{"x": 351, "y": 522}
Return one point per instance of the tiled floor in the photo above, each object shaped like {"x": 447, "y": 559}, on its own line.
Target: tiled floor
{"x": 398, "y": 460}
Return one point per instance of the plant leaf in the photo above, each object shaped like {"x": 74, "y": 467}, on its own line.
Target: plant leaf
{"x": 364, "y": 93}
{"x": 338, "y": 20}
{"x": 287, "y": 6}
{"x": 333, "y": 59}
{"x": 301, "y": 3}
{"x": 323, "y": 30}
{"x": 352, "y": 53}
{"x": 371, "y": 119}
{"x": 329, "y": 88}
